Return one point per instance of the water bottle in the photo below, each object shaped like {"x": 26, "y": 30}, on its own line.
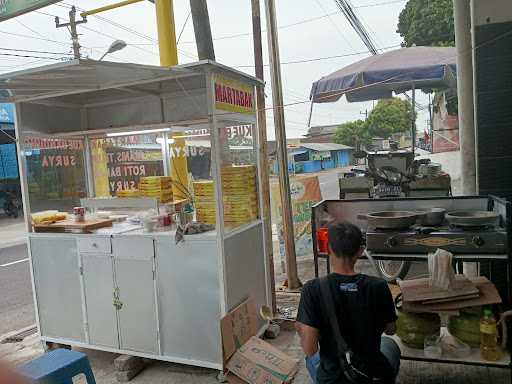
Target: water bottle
{"x": 488, "y": 336}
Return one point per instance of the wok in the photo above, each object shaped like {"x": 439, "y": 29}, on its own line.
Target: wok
{"x": 472, "y": 218}
{"x": 390, "y": 219}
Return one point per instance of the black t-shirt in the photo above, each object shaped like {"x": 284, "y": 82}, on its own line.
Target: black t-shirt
{"x": 364, "y": 306}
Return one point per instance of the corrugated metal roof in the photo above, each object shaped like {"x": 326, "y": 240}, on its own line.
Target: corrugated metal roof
{"x": 325, "y": 146}
{"x": 296, "y": 152}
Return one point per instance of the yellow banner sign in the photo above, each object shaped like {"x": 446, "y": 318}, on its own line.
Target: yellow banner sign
{"x": 233, "y": 96}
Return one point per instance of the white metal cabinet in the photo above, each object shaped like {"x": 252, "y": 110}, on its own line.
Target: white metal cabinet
{"x": 98, "y": 275}
{"x": 135, "y": 279}
{"x": 94, "y": 244}
{"x": 188, "y": 299}
{"x": 56, "y": 272}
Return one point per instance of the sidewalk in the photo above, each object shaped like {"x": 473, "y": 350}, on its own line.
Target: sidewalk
{"x": 12, "y": 232}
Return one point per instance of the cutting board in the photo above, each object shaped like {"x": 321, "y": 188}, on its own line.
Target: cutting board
{"x": 488, "y": 295}
{"x": 73, "y": 226}
{"x": 420, "y": 290}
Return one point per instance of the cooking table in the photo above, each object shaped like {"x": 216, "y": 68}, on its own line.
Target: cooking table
{"x": 349, "y": 210}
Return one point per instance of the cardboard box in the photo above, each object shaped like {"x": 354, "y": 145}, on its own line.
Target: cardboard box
{"x": 258, "y": 362}
{"x": 238, "y": 326}
{"x": 251, "y": 359}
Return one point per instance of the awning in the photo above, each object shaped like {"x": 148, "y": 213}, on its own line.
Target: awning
{"x": 7, "y": 134}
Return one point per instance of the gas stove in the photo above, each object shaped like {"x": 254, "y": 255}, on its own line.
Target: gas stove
{"x": 461, "y": 240}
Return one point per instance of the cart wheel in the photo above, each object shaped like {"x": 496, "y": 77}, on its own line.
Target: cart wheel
{"x": 392, "y": 270}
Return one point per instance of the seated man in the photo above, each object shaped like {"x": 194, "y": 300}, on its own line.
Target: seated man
{"x": 364, "y": 308}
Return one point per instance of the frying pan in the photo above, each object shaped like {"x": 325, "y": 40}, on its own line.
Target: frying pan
{"x": 390, "y": 219}
{"x": 472, "y": 218}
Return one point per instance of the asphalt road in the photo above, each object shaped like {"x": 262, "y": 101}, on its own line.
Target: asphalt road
{"x": 16, "y": 303}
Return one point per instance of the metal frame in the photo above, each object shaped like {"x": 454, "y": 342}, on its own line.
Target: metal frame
{"x": 213, "y": 119}
{"x": 504, "y": 258}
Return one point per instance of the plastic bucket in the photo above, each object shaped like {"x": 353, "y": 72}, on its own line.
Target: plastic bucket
{"x": 322, "y": 239}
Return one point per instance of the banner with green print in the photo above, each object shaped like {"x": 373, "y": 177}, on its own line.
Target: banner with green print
{"x": 13, "y": 8}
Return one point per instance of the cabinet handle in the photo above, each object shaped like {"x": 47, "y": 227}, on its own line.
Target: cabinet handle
{"x": 95, "y": 245}
{"x": 116, "y": 302}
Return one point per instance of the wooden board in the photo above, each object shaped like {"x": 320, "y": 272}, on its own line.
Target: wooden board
{"x": 488, "y": 295}
{"x": 448, "y": 299}
{"x": 73, "y": 226}
{"x": 420, "y": 289}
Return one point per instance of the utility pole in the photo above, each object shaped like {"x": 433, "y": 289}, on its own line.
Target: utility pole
{"x": 466, "y": 97}
{"x": 202, "y": 30}
{"x": 282, "y": 154}
{"x": 262, "y": 125}
{"x": 72, "y": 29}
{"x": 431, "y": 124}
{"x": 166, "y": 33}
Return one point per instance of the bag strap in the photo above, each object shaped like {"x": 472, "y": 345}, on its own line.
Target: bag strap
{"x": 328, "y": 300}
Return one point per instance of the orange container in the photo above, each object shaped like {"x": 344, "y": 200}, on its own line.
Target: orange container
{"x": 322, "y": 239}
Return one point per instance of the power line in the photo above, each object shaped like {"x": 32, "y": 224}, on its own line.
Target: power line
{"x": 31, "y": 51}
{"x": 33, "y": 37}
{"x": 35, "y": 57}
{"x": 346, "y": 9}
{"x": 30, "y": 29}
{"x": 243, "y": 34}
{"x": 380, "y": 4}
{"x": 334, "y": 24}
{"x": 130, "y": 30}
{"x": 183, "y": 28}
{"x": 321, "y": 58}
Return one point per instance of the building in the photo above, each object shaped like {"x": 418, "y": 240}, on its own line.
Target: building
{"x": 8, "y": 158}
{"x": 321, "y": 134}
{"x": 315, "y": 157}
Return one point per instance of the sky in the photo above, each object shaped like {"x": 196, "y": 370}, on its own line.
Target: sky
{"x": 308, "y": 29}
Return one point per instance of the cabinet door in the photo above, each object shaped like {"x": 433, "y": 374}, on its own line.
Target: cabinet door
{"x": 98, "y": 274}
{"x": 134, "y": 276}
{"x": 57, "y": 283}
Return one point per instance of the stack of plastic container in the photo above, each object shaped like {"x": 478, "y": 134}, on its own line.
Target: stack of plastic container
{"x": 239, "y": 194}
{"x": 158, "y": 187}
{"x": 204, "y": 201}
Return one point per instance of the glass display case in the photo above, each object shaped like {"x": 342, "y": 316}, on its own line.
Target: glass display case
{"x": 184, "y": 135}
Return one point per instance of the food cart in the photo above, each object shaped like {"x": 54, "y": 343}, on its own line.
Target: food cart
{"x": 87, "y": 133}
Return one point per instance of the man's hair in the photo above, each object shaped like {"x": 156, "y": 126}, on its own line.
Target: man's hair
{"x": 345, "y": 239}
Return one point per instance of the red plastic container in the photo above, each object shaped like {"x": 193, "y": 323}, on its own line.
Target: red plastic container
{"x": 322, "y": 239}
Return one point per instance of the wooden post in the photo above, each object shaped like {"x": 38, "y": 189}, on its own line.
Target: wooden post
{"x": 282, "y": 154}
{"x": 262, "y": 134}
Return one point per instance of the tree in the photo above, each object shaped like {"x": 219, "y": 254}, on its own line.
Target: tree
{"x": 427, "y": 22}
{"x": 352, "y": 133}
{"x": 389, "y": 116}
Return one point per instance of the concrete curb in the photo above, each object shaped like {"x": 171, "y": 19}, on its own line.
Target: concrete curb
{"x": 12, "y": 333}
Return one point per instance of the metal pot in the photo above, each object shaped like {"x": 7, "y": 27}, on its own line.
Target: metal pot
{"x": 390, "y": 219}
{"x": 472, "y": 218}
{"x": 430, "y": 217}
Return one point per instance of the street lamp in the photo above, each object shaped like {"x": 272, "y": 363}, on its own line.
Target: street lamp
{"x": 114, "y": 47}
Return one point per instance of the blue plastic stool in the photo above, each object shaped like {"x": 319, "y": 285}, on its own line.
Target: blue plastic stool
{"x": 60, "y": 366}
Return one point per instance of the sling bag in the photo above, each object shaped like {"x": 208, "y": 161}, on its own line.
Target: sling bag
{"x": 353, "y": 369}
